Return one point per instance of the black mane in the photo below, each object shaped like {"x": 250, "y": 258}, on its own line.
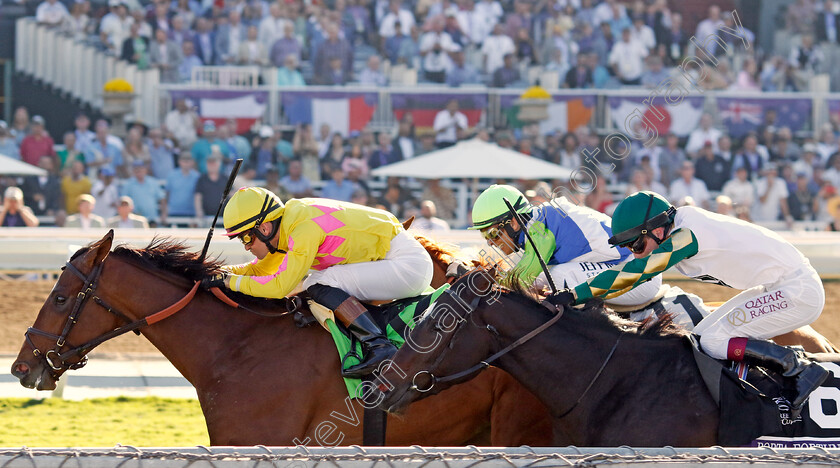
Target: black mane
{"x": 595, "y": 312}
{"x": 170, "y": 255}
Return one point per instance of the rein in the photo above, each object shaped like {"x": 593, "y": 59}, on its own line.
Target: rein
{"x": 58, "y": 361}
{"x": 524, "y": 339}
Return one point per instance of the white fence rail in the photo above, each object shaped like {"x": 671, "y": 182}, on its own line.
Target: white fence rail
{"x": 79, "y": 70}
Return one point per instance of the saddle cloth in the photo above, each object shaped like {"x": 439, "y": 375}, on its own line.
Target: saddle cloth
{"x": 757, "y": 413}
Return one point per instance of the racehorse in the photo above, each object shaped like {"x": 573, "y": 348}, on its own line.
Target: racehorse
{"x": 259, "y": 379}
{"x": 605, "y": 382}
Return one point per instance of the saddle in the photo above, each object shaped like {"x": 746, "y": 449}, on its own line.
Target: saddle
{"x": 756, "y": 411}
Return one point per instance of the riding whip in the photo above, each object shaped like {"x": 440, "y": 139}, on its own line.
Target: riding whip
{"x": 232, "y": 176}
{"x": 533, "y": 245}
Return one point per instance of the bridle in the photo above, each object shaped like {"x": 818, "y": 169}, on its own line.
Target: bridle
{"x": 58, "y": 360}
{"x": 558, "y": 313}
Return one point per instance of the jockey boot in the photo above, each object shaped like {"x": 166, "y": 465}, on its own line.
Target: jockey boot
{"x": 376, "y": 345}
{"x": 809, "y": 375}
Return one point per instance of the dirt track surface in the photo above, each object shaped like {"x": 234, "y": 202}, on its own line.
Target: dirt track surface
{"x": 20, "y": 302}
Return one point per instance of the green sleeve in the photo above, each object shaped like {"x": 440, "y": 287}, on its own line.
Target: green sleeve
{"x": 681, "y": 244}
{"x": 529, "y": 267}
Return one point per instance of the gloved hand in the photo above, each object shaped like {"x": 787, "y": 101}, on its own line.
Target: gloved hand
{"x": 456, "y": 269}
{"x": 563, "y": 297}
{"x": 215, "y": 281}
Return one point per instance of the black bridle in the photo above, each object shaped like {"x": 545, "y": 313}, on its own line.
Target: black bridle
{"x": 57, "y": 360}
{"x": 558, "y": 313}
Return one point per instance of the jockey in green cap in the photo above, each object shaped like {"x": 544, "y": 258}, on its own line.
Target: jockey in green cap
{"x": 357, "y": 253}
{"x": 781, "y": 290}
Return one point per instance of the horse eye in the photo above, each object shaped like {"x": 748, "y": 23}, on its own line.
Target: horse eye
{"x": 60, "y": 300}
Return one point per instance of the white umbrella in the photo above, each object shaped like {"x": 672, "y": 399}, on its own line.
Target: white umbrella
{"x": 475, "y": 159}
{"x": 11, "y": 166}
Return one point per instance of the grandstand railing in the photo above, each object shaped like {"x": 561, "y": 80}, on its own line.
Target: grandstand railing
{"x": 80, "y": 70}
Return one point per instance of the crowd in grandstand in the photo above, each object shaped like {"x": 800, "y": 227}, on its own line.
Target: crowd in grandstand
{"x": 178, "y": 169}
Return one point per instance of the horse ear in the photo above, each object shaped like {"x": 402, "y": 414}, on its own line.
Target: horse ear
{"x": 407, "y": 223}
{"x": 103, "y": 247}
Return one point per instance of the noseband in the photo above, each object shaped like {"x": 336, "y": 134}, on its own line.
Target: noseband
{"x": 57, "y": 360}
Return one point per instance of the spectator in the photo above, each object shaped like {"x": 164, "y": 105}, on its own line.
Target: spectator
{"x": 239, "y": 145}
{"x": 188, "y": 61}
{"x": 449, "y": 124}
{"x": 506, "y": 75}
{"x": 453, "y": 28}
{"x": 626, "y": 58}
{"x": 251, "y": 50}
{"x": 272, "y": 184}
{"x": 125, "y": 218}
{"x": 740, "y": 190}
{"x": 135, "y": 48}
{"x": 808, "y": 161}
{"x": 675, "y": 40}
{"x": 405, "y": 146}
{"x": 655, "y": 74}
{"x": 526, "y": 51}
{"x": 181, "y": 125}
{"x": 43, "y": 193}
{"x": 747, "y": 79}
{"x": 355, "y": 160}
{"x": 385, "y": 154}
{"x": 772, "y": 194}
{"x": 165, "y": 56}
{"x": 428, "y": 222}
{"x": 229, "y": 36}
{"x": 372, "y": 74}
{"x": 307, "y": 149}
{"x": 161, "y": 17}
{"x": 84, "y": 136}
{"x": 699, "y": 136}
{"x": 337, "y": 188}
{"x": 102, "y": 152}
{"x": 708, "y": 27}
{"x": 115, "y": 26}
{"x": 642, "y": 33}
{"x": 74, "y": 184}
{"x": 8, "y": 145}
{"x": 578, "y": 77}
{"x": 147, "y": 194}
{"x": 827, "y": 24}
{"x": 180, "y": 32}
{"x": 85, "y": 218}
{"x": 833, "y": 207}
{"x": 689, "y": 186}
{"x": 201, "y": 149}
{"x": 15, "y": 213}
{"x": 487, "y": 14}
{"x": 209, "y": 189}
{"x": 495, "y": 47}
{"x": 51, "y": 13}
{"x": 180, "y": 188}
{"x": 204, "y": 41}
{"x": 711, "y": 168}
{"x": 807, "y": 58}
{"x": 264, "y": 155}
{"x": 331, "y": 50}
{"x": 435, "y": 47}
{"x": 298, "y": 185}
{"x": 38, "y": 143}
{"x": 725, "y": 149}
{"x": 641, "y": 180}
{"x": 396, "y": 15}
{"x": 272, "y": 25}
{"x": 104, "y": 190}
{"x": 393, "y": 44}
{"x": 135, "y": 149}
{"x": 723, "y": 206}
{"x": 749, "y": 158}
{"x": 461, "y": 71}
{"x": 20, "y": 125}
{"x": 785, "y": 149}
{"x": 288, "y": 74}
{"x": 442, "y": 197}
{"x": 161, "y": 158}
{"x": 803, "y": 202}
{"x": 286, "y": 46}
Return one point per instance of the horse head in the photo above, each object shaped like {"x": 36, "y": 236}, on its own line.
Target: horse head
{"x": 44, "y": 356}
{"x": 449, "y": 334}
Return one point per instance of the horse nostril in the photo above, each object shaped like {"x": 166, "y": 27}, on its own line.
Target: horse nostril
{"x": 20, "y": 370}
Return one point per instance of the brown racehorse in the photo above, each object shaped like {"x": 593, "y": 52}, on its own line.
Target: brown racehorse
{"x": 259, "y": 380}
{"x": 607, "y": 381}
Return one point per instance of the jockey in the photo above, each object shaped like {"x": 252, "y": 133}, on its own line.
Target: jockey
{"x": 781, "y": 290}
{"x": 571, "y": 239}
{"x": 358, "y": 254}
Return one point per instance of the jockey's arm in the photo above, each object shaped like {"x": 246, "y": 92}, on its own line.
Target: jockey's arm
{"x": 304, "y": 241}
{"x": 681, "y": 244}
{"x": 529, "y": 267}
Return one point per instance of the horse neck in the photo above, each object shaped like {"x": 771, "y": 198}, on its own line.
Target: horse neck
{"x": 192, "y": 337}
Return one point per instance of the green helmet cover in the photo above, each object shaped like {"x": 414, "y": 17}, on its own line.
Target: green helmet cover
{"x": 638, "y": 214}
{"x": 490, "y": 208}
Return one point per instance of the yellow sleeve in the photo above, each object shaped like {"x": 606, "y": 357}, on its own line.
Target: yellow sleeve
{"x": 257, "y": 267}
{"x": 304, "y": 241}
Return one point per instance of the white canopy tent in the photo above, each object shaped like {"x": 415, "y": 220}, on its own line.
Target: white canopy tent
{"x": 474, "y": 159}
{"x": 13, "y": 167}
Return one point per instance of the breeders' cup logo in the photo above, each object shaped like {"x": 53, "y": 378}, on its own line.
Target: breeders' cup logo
{"x": 757, "y": 307}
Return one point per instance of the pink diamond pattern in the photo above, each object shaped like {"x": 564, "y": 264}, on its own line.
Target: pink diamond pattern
{"x": 327, "y": 221}
{"x": 330, "y": 244}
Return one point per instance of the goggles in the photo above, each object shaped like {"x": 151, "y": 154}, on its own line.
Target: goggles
{"x": 493, "y": 233}
{"x": 246, "y": 238}
{"x": 636, "y": 245}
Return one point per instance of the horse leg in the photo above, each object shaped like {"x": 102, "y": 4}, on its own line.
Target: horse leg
{"x": 517, "y": 417}
{"x": 808, "y": 338}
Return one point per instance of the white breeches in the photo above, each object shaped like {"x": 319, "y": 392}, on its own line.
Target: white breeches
{"x": 764, "y": 312}
{"x": 405, "y": 271}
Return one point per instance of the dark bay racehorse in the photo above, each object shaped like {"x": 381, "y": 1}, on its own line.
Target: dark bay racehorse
{"x": 260, "y": 380}
{"x": 648, "y": 392}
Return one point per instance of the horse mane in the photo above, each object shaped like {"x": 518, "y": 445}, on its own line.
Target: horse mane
{"x": 594, "y": 311}
{"x": 444, "y": 253}
{"x": 167, "y": 254}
